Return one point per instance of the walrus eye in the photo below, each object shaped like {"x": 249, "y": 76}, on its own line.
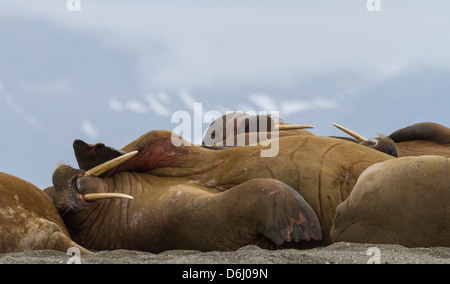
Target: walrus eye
{"x": 75, "y": 185}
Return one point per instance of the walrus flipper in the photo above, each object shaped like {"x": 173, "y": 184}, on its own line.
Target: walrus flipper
{"x": 89, "y": 156}
{"x": 296, "y": 221}
{"x": 271, "y": 210}
{"x": 423, "y": 131}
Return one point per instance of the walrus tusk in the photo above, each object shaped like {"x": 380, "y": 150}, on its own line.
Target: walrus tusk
{"x": 106, "y": 166}
{"x": 290, "y": 127}
{"x": 97, "y": 196}
{"x": 351, "y": 133}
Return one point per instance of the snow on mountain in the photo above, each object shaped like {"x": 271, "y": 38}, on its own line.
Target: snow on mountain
{"x": 114, "y": 71}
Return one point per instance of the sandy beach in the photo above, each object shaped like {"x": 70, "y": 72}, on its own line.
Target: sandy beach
{"x": 338, "y": 253}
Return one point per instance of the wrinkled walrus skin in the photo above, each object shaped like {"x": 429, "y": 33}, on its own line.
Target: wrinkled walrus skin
{"x": 29, "y": 220}
{"x": 322, "y": 170}
{"x": 404, "y": 201}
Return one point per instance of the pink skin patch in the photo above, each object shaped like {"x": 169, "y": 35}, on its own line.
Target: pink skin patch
{"x": 287, "y": 233}
{"x": 159, "y": 153}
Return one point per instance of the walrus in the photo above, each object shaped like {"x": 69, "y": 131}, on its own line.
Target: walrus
{"x": 381, "y": 143}
{"x": 173, "y": 213}
{"x": 425, "y": 138}
{"x": 29, "y": 220}
{"x": 241, "y": 129}
{"x": 190, "y": 197}
{"x": 403, "y": 201}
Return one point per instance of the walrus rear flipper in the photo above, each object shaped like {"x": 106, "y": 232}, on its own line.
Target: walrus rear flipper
{"x": 89, "y": 156}
{"x": 423, "y": 131}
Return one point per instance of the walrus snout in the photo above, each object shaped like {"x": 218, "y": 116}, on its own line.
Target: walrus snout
{"x": 74, "y": 189}
{"x": 383, "y": 144}
{"x": 63, "y": 174}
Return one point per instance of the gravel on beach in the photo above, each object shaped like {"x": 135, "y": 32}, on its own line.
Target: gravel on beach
{"x": 338, "y": 253}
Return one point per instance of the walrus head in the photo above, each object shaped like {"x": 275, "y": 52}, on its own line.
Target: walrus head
{"x": 73, "y": 189}
{"x": 234, "y": 124}
{"x": 381, "y": 143}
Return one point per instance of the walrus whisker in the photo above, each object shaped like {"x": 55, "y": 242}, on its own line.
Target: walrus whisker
{"x": 67, "y": 211}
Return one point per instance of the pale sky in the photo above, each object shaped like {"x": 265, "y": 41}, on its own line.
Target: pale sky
{"x": 117, "y": 69}
{"x": 202, "y": 42}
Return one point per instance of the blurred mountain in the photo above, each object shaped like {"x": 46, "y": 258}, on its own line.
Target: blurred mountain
{"x": 57, "y": 86}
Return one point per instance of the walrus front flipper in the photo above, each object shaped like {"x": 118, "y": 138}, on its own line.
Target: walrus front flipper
{"x": 268, "y": 213}
{"x": 423, "y": 131}
{"x": 292, "y": 218}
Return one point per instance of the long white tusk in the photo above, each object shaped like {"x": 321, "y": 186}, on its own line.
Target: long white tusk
{"x": 106, "y": 166}
{"x": 97, "y": 196}
{"x": 351, "y": 133}
{"x": 290, "y": 127}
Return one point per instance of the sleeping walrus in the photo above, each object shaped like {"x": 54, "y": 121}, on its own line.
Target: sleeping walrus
{"x": 29, "y": 220}
{"x": 405, "y": 201}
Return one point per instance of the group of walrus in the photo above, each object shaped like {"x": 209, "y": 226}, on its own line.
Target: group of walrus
{"x": 155, "y": 195}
